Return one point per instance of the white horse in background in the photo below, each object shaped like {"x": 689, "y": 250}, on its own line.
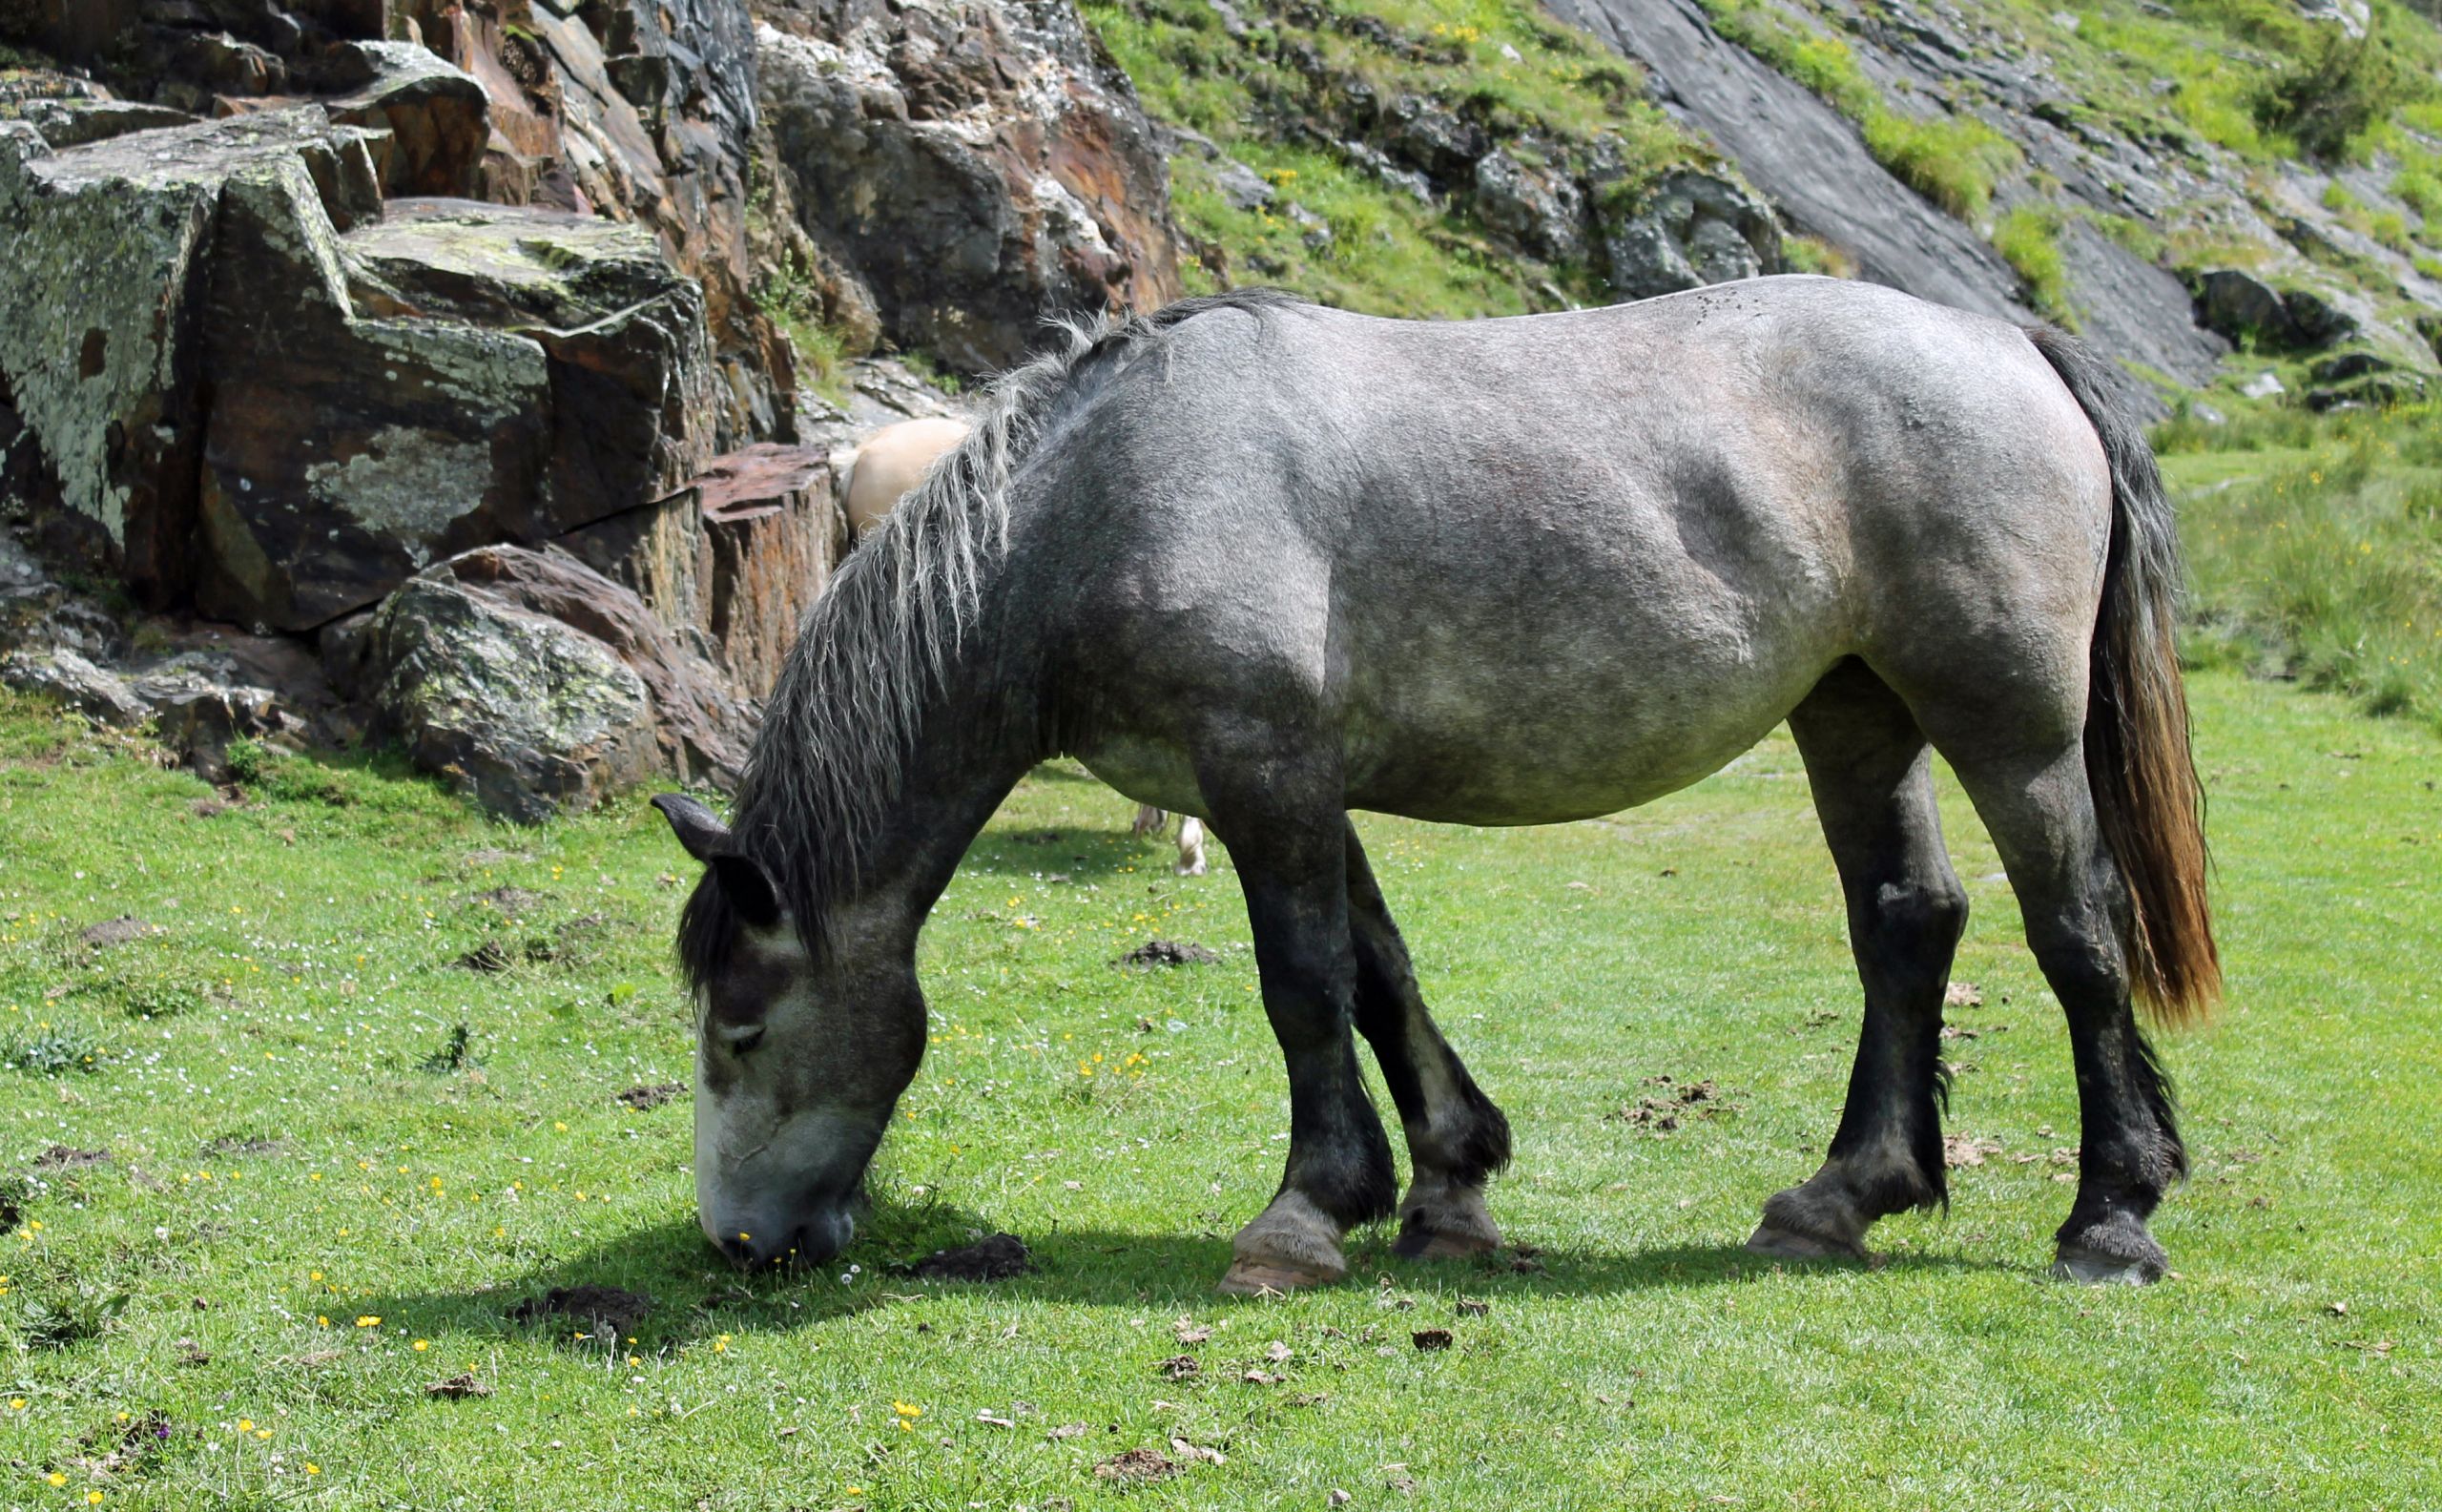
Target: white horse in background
{"x": 879, "y": 471}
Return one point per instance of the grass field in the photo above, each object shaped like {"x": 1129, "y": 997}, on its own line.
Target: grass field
{"x": 2315, "y": 550}
{"x": 318, "y": 1199}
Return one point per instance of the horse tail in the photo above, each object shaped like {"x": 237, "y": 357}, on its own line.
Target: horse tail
{"x": 2148, "y": 800}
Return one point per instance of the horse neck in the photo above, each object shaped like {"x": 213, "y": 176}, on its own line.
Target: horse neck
{"x": 977, "y": 737}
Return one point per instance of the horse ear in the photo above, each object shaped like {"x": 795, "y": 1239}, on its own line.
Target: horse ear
{"x": 704, "y": 836}
{"x": 749, "y": 888}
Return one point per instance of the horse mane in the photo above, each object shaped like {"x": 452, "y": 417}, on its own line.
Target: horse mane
{"x": 844, "y": 714}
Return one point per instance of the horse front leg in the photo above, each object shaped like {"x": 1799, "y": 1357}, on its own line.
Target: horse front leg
{"x": 1456, "y": 1137}
{"x": 1292, "y": 864}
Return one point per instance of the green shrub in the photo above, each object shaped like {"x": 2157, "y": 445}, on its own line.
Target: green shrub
{"x": 2420, "y": 190}
{"x": 2327, "y": 103}
{"x": 50, "y": 1049}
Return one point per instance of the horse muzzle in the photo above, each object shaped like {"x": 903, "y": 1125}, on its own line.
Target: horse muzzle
{"x": 811, "y": 1240}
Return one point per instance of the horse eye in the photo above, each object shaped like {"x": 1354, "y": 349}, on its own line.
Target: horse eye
{"x": 741, "y": 1041}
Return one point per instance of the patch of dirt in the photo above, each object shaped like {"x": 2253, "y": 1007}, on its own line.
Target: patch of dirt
{"x": 1469, "y": 1307}
{"x": 1672, "y": 1102}
{"x": 490, "y": 856}
{"x": 65, "y": 1157}
{"x": 1963, "y": 995}
{"x": 1168, "y": 953}
{"x": 487, "y": 957}
{"x": 513, "y": 902}
{"x": 1967, "y": 1150}
{"x": 116, "y": 931}
{"x": 241, "y": 1145}
{"x": 600, "y": 1309}
{"x": 1067, "y": 1430}
{"x": 1138, "y": 1465}
{"x": 645, "y": 1099}
{"x": 1431, "y": 1339}
{"x": 994, "y": 1259}
{"x": 121, "y": 1447}
{"x": 458, "y": 1388}
{"x": 1179, "y": 1367}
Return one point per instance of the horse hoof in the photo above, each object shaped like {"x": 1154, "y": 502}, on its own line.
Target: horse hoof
{"x": 1433, "y": 1244}
{"x": 2095, "y": 1267}
{"x": 1790, "y": 1244}
{"x": 1270, "y": 1278}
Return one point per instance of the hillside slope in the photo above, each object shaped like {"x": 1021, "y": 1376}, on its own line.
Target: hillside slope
{"x": 2177, "y": 181}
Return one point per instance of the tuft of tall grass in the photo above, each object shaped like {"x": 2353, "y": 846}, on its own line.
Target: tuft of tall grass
{"x": 2028, "y": 239}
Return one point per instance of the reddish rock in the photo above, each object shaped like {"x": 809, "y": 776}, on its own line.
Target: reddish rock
{"x": 658, "y": 552}
{"x": 775, "y": 531}
{"x": 644, "y": 112}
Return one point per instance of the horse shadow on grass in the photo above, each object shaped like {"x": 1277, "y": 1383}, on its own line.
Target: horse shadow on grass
{"x": 662, "y": 1286}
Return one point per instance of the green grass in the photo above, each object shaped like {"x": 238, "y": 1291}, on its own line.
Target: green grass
{"x": 281, "y": 1155}
{"x": 2029, "y": 240}
{"x": 2320, "y": 555}
{"x": 1952, "y": 160}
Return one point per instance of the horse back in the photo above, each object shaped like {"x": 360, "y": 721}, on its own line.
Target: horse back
{"x": 1559, "y": 564}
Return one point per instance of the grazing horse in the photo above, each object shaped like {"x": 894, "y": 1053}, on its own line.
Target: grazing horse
{"x": 878, "y": 472}
{"x": 1266, "y": 563}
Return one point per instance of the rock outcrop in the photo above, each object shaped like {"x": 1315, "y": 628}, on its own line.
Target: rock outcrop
{"x": 643, "y": 111}
{"x": 972, "y": 169}
{"x": 1805, "y": 157}
{"x": 534, "y": 684}
{"x": 326, "y": 412}
{"x": 1689, "y": 229}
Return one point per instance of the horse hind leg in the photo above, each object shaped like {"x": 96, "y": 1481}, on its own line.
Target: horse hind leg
{"x": 2040, "y": 811}
{"x": 1190, "y": 846}
{"x": 1456, "y": 1137}
{"x": 1869, "y": 766}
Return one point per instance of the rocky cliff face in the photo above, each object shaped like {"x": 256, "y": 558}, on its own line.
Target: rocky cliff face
{"x": 424, "y": 347}
{"x": 966, "y": 172}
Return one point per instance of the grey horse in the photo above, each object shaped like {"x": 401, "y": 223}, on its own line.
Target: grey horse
{"x": 1266, "y": 563}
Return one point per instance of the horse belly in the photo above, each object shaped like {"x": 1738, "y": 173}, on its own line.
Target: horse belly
{"x": 1536, "y": 750}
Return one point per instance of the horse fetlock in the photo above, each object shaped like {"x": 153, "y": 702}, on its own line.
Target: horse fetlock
{"x": 1440, "y": 1219}
{"x": 2109, "y": 1246}
{"x": 1291, "y": 1244}
{"x": 1818, "y": 1220}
